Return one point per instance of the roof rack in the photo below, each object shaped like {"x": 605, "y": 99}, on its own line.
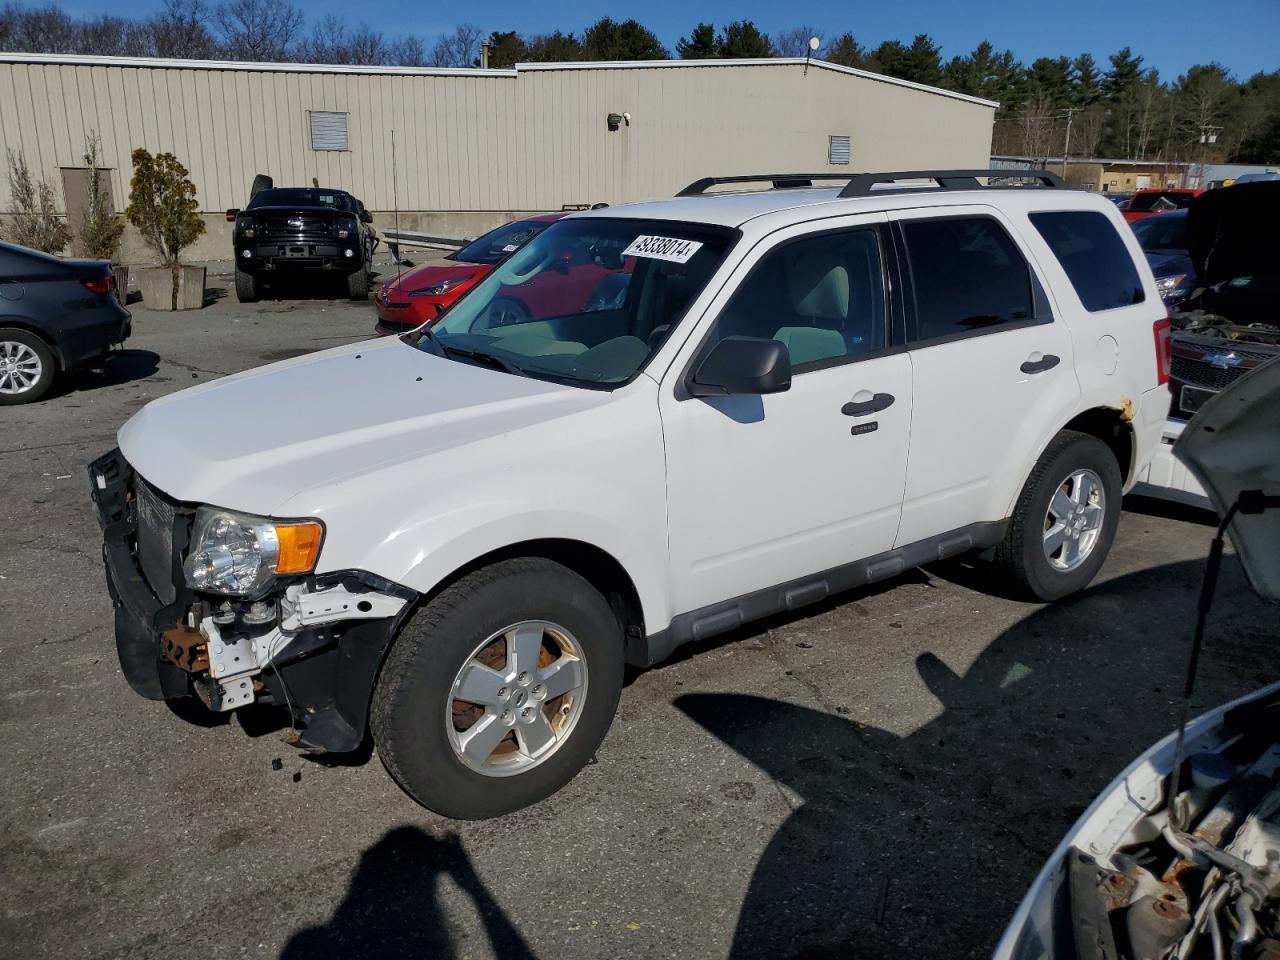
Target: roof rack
{"x": 780, "y": 181}
{"x": 862, "y": 184}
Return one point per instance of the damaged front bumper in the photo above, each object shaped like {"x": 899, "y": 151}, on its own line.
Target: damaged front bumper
{"x": 313, "y": 647}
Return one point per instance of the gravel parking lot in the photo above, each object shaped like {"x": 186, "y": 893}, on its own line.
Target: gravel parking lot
{"x": 881, "y": 776}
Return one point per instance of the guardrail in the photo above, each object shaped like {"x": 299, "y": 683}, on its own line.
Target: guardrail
{"x": 395, "y": 239}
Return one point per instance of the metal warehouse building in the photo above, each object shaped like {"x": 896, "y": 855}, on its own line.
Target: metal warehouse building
{"x": 474, "y": 147}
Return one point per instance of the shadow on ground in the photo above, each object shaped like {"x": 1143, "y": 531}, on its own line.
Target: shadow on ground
{"x": 392, "y": 907}
{"x": 923, "y": 845}
{"x": 116, "y": 368}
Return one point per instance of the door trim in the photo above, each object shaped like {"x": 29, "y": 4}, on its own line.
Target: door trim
{"x": 728, "y": 615}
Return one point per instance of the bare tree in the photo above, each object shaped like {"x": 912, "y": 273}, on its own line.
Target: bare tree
{"x": 181, "y": 29}
{"x": 258, "y": 30}
{"x": 35, "y": 222}
{"x": 1087, "y": 130}
{"x": 114, "y": 37}
{"x": 794, "y": 42}
{"x": 461, "y": 48}
{"x": 407, "y": 52}
{"x": 40, "y": 30}
{"x": 332, "y": 42}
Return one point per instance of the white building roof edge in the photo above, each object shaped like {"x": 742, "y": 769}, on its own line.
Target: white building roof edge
{"x": 86, "y": 60}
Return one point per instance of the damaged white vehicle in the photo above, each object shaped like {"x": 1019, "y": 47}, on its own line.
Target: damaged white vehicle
{"x": 648, "y": 426}
{"x": 1139, "y": 877}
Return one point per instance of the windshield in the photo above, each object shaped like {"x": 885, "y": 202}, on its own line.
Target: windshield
{"x": 1164, "y": 233}
{"x": 1160, "y": 201}
{"x": 301, "y": 197}
{"x": 588, "y": 301}
{"x": 497, "y": 244}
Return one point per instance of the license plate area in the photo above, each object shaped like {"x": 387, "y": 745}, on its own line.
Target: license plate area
{"x": 1192, "y": 399}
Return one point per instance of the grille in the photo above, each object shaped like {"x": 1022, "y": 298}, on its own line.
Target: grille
{"x": 280, "y": 226}
{"x": 1197, "y": 373}
{"x": 155, "y": 540}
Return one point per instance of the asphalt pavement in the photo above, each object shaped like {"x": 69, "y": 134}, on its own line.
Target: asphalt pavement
{"x": 879, "y": 776}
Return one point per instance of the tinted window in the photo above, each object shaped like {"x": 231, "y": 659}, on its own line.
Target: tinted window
{"x": 822, "y": 296}
{"x": 497, "y": 244}
{"x": 1094, "y": 257}
{"x": 1165, "y": 234}
{"x": 302, "y": 197}
{"x": 968, "y": 275}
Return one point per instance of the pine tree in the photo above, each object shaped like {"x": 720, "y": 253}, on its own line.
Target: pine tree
{"x": 701, "y": 44}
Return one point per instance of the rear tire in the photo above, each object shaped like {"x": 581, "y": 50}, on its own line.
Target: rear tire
{"x": 1065, "y": 520}
{"x": 421, "y": 724}
{"x": 358, "y": 284}
{"x": 27, "y": 367}
{"x": 246, "y": 287}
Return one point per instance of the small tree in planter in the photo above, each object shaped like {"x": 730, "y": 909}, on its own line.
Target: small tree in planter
{"x": 162, "y": 205}
{"x": 102, "y": 227}
{"x": 34, "y": 224}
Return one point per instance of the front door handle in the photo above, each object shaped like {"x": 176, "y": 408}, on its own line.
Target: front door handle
{"x": 861, "y": 407}
{"x": 1040, "y": 362}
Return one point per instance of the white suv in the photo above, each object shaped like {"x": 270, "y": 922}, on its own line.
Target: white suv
{"x": 650, "y": 425}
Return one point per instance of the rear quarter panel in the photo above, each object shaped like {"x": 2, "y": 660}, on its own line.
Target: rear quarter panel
{"x": 1114, "y": 350}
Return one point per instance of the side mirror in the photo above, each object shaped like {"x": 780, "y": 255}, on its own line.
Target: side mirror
{"x": 231, "y": 214}
{"x": 365, "y": 216}
{"x": 742, "y": 365}
{"x": 562, "y": 261}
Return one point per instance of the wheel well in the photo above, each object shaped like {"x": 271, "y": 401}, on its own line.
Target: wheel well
{"x": 19, "y": 324}
{"x": 1109, "y": 426}
{"x": 594, "y": 565}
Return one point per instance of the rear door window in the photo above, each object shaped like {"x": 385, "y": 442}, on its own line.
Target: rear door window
{"x": 968, "y": 276}
{"x": 1095, "y": 259}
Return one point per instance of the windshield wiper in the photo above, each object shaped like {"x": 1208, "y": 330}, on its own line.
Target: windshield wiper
{"x": 480, "y": 356}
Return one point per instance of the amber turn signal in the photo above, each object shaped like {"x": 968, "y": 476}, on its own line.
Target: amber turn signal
{"x": 299, "y": 546}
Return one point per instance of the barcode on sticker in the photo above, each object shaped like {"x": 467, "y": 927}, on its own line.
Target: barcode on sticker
{"x": 663, "y": 248}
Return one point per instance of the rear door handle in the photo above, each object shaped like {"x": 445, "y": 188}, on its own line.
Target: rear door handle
{"x": 861, "y": 407}
{"x": 1039, "y": 363}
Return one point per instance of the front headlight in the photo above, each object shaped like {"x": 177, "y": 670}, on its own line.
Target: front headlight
{"x": 443, "y": 287}
{"x": 239, "y": 555}
{"x": 1172, "y": 287}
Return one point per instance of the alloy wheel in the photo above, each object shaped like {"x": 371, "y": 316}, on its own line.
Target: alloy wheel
{"x": 517, "y": 698}
{"x": 20, "y": 367}
{"x": 1074, "y": 520}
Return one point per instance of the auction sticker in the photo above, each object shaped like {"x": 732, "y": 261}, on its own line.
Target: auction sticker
{"x": 662, "y": 248}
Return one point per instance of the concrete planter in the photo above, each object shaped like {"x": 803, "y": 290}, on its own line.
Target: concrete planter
{"x": 156, "y": 284}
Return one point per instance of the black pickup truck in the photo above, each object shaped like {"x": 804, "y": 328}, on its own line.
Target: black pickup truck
{"x": 289, "y": 229}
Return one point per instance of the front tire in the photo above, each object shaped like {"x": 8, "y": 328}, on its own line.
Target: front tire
{"x": 246, "y": 286}
{"x": 1065, "y": 519}
{"x": 499, "y": 690}
{"x": 27, "y": 367}
{"x": 358, "y": 283}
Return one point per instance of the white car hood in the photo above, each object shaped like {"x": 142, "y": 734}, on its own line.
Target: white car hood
{"x": 1231, "y": 445}
{"x": 253, "y": 440}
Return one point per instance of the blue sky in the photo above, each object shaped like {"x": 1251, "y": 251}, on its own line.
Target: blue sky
{"x": 1244, "y": 35}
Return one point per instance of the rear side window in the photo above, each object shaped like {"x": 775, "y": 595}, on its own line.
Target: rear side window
{"x": 1094, "y": 257}
{"x": 968, "y": 276}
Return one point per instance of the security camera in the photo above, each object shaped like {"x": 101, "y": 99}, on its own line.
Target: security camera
{"x": 627, "y": 118}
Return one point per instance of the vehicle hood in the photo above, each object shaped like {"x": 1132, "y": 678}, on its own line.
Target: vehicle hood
{"x": 1168, "y": 264}
{"x": 433, "y": 272}
{"x": 1231, "y": 232}
{"x": 254, "y": 440}
{"x": 1233, "y": 444}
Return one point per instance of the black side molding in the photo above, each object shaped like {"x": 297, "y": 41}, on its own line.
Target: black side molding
{"x": 731, "y": 614}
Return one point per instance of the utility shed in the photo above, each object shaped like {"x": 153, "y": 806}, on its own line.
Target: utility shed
{"x": 473, "y": 148}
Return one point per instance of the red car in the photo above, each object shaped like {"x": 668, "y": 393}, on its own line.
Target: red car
{"x": 423, "y": 293}
{"x": 1158, "y": 200}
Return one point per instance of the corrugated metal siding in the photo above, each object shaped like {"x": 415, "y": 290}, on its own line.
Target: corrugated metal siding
{"x": 533, "y": 141}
